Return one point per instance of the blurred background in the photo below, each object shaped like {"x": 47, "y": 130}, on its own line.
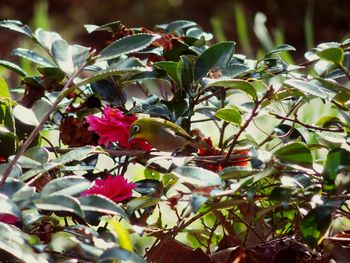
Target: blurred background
{"x": 300, "y": 23}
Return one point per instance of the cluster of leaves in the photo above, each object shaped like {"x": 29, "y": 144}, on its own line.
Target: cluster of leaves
{"x": 248, "y": 197}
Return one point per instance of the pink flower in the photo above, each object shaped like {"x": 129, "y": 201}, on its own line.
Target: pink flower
{"x": 9, "y": 219}
{"x": 113, "y": 126}
{"x": 116, "y": 188}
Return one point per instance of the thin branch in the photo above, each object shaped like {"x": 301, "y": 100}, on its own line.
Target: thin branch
{"x": 270, "y": 136}
{"x": 67, "y": 88}
{"x": 253, "y": 114}
{"x": 295, "y": 120}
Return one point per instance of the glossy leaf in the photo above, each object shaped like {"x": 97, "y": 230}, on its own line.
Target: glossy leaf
{"x": 111, "y": 27}
{"x": 101, "y": 204}
{"x": 332, "y": 54}
{"x": 281, "y": 48}
{"x": 17, "y": 26}
{"x": 284, "y": 130}
{"x": 231, "y": 115}
{"x": 215, "y": 57}
{"x": 242, "y": 85}
{"x": 149, "y": 187}
{"x": 179, "y": 24}
{"x": 337, "y": 160}
{"x": 127, "y": 45}
{"x": 61, "y": 204}
{"x": 295, "y": 153}
{"x": 62, "y": 55}
{"x": 140, "y": 203}
{"x": 310, "y": 88}
{"x": 46, "y": 38}
{"x": 170, "y": 67}
{"x": 104, "y": 74}
{"x": 185, "y": 70}
{"x": 13, "y": 67}
{"x": 197, "y": 176}
{"x": 32, "y": 56}
{"x": 15, "y": 243}
{"x": 315, "y": 224}
{"x": 235, "y": 70}
{"x": 77, "y": 154}
{"x": 25, "y": 115}
{"x": 68, "y": 185}
{"x": 121, "y": 254}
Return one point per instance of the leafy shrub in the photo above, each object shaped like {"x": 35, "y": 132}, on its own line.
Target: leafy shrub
{"x": 272, "y": 177}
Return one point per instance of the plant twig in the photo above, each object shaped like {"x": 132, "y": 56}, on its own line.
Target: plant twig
{"x": 252, "y": 115}
{"x": 270, "y": 136}
{"x": 308, "y": 126}
{"x": 67, "y": 87}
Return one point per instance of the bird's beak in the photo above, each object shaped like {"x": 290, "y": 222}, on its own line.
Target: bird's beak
{"x": 131, "y": 137}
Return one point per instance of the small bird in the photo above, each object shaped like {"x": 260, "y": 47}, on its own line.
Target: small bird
{"x": 163, "y": 135}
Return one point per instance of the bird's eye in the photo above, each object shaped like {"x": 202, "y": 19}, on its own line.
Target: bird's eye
{"x": 136, "y": 128}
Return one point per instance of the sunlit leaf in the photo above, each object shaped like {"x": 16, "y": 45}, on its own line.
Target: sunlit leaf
{"x": 315, "y": 224}
{"x": 60, "y": 204}
{"x": 332, "y": 54}
{"x": 231, "y": 115}
{"x": 296, "y": 153}
{"x": 215, "y": 57}
{"x": 127, "y": 45}
{"x": 68, "y": 185}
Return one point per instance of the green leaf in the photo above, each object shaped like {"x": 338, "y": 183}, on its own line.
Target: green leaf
{"x": 288, "y": 133}
{"x": 8, "y": 137}
{"x": 62, "y": 55}
{"x": 281, "y": 48}
{"x": 110, "y": 27}
{"x": 217, "y": 56}
{"x": 231, "y": 115}
{"x": 170, "y": 67}
{"x": 197, "y": 201}
{"x": 179, "y": 24}
{"x": 17, "y": 26}
{"x": 140, "y": 203}
{"x": 235, "y": 70}
{"x": 295, "y": 153}
{"x": 332, "y": 54}
{"x": 197, "y": 176}
{"x": 236, "y": 172}
{"x": 39, "y": 154}
{"x": 185, "y": 70}
{"x": 77, "y": 154}
{"x": 103, "y": 74}
{"x": 32, "y": 56}
{"x": 315, "y": 224}
{"x": 126, "y": 45}
{"x": 15, "y": 243}
{"x": 123, "y": 234}
{"x": 281, "y": 195}
{"x": 46, "y": 38}
{"x": 242, "y": 85}
{"x": 25, "y": 115}
{"x": 123, "y": 255}
{"x": 68, "y": 185}
{"x": 310, "y": 88}
{"x": 4, "y": 90}
{"x": 60, "y": 203}
{"x": 149, "y": 187}
{"x": 337, "y": 160}
{"x": 13, "y": 67}
{"x": 96, "y": 206}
